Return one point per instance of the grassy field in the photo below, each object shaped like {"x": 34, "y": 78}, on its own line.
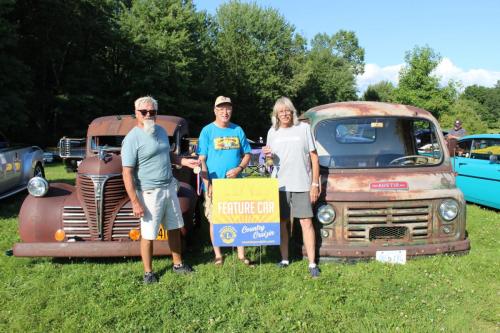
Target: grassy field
{"x": 433, "y": 294}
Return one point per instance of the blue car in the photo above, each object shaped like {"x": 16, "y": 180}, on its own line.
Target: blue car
{"x": 477, "y": 164}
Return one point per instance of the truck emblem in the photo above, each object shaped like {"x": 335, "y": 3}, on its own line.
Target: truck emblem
{"x": 389, "y": 186}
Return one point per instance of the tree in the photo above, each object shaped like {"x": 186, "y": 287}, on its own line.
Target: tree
{"x": 256, "y": 53}
{"x": 418, "y": 87}
{"x": 330, "y": 69}
{"x": 489, "y": 98}
{"x": 168, "y": 59}
{"x": 14, "y": 80}
{"x": 66, "y": 48}
{"x": 379, "y": 92}
{"x": 468, "y": 112}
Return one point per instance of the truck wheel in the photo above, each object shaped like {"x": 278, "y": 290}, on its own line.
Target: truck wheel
{"x": 38, "y": 171}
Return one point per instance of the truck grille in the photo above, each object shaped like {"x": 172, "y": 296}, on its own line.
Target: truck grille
{"x": 388, "y": 223}
{"x": 75, "y": 223}
{"x": 124, "y": 222}
{"x": 101, "y": 196}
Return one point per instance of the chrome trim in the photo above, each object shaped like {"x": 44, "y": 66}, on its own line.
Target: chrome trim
{"x": 99, "y": 182}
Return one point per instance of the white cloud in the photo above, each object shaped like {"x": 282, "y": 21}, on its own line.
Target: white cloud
{"x": 446, "y": 70}
{"x": 374, "y": 74}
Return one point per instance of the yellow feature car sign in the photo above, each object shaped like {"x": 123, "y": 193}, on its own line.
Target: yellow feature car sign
{"x": 245, "y": 212}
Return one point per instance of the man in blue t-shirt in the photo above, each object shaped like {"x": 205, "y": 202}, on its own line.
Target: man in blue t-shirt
{"x": 224, "y": 153}
{"x": 150, "y": 185}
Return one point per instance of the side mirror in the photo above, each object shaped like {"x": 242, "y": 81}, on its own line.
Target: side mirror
{"x": 493, "y": 159}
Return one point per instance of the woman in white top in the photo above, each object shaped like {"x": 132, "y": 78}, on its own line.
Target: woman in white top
{"x": 294, "y": 154}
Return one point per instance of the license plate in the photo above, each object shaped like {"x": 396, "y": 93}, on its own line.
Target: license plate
{"x": 391, "y": 257}
{"x": 162, "y": 234}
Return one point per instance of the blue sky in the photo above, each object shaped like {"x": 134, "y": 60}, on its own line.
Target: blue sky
{"x": 466, "y": 33}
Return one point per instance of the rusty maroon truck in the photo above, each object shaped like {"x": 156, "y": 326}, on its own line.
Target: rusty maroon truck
{"x": 95, "y": 218}
{"x": 382, "y": 189}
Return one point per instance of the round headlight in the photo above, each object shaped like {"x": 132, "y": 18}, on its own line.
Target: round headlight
{"x": 448, "y": 209}
{"x": 38, "y": 187}
{"x": 326, "y": 214}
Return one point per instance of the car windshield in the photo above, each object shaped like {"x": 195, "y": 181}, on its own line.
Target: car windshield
{"x": 483, "y": 148}
{"x": 381, "y": 142}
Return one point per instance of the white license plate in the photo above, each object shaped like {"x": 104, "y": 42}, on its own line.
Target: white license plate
{"x": 391, "y": 257}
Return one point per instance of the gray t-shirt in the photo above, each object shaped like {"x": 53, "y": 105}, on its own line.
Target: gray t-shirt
{"x": 458, "y": 133}
{"x": 149, "y": 155}
{"x": 291, "y": 147}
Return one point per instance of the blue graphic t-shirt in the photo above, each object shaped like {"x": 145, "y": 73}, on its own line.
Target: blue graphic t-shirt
{"x": 223, "y": 148}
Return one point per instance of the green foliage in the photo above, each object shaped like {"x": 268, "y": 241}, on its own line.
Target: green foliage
{"x": 489, "y": 98}
{"x": 379, "y": 92}
{"x": 469, "y": 112}
{"x": 418, "y": 87}
{"x": 14, "y": 79}
{"x": 440, "y": 293}
{"x": 66, "y": 46}
{"x": 165, "y": 49}
{"x": 330, "y": 69}
{"x": 255, "y": 49}
{"x": 66, "y": 63}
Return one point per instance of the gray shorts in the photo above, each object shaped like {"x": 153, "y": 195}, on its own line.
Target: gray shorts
{"x": 295, "y": 204}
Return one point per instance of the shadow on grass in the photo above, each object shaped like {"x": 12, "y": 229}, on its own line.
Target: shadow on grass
{"x": 491, "y": 209}
{"x": 9, "y": 207}
{"x": 200, "y": 251}
{"x": 100, "y": 260}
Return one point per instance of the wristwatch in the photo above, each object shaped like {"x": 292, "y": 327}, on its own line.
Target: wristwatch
{"x": 315, "y": 184}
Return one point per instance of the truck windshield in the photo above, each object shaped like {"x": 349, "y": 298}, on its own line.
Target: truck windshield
{"x": 378, "y": 142}
{"x": 114, "y": 142}
{"x": 109, "y": 142}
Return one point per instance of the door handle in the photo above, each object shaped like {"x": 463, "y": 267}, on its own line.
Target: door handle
{"x": 460, "y": 164}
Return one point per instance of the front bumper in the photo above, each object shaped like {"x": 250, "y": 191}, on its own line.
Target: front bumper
{"x": 360, "y": 252}
{"x": 87, "y": 249}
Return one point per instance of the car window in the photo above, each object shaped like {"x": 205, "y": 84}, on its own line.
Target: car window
{"x": 355, "y": 132}
{"x": 483, "y": 148}
{"x": 463, "y": 148}
{"x": 377, "y": 142}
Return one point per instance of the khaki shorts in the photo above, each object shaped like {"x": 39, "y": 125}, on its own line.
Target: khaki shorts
{"x": 295, "y": 204}
{"x": 161, "y": 206}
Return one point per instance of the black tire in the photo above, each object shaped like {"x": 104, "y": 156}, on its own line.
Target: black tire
{"x": 38, "y": 171}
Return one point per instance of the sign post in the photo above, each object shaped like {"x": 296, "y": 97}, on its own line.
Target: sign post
{"x": 245, "y": 212}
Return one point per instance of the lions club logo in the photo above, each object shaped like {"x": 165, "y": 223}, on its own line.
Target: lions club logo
{"x": 227, "y": 234}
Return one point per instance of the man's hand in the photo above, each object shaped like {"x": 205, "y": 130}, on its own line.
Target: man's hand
{"x": 233, "y": 173}
{"x": 137, "y": 209}
{"x": 190, "y": 163}
{"x": 314, "y": 193}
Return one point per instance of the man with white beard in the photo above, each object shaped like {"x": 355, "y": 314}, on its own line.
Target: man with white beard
{"x": 150, "y": 185}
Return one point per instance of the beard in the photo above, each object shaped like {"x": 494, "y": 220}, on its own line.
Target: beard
{"x": 149, "y": 126}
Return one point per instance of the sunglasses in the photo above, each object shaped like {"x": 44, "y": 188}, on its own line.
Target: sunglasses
{"x": 145, "y": 112}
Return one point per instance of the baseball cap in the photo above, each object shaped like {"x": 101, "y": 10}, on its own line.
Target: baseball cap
{"x": 221, "y": 100}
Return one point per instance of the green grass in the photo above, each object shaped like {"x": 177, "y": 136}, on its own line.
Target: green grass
{"x": 432, "y": 294}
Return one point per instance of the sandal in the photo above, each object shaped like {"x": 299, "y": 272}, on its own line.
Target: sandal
{"x": 219, "y": 261}
{"x": 247, "y": 262}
